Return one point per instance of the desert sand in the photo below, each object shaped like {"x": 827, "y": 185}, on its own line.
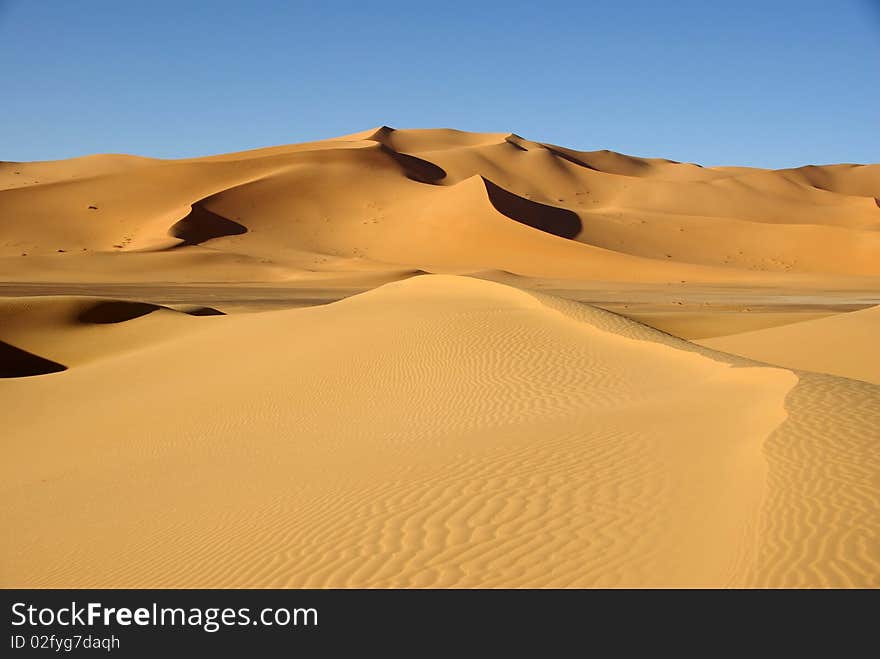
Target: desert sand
{"x": 430, "y": 358}
{"x": 441, "y": 201}
{"x": 843, "y": 344}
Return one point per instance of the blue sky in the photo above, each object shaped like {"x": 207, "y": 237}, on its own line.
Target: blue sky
{"x": 769, "y": 83}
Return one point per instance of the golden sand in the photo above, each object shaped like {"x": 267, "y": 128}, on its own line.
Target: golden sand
{"x": 437, "y": 430}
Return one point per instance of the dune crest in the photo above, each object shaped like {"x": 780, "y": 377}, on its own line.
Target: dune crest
{"x": 439, "y": 431}
{"x": 843, "y": 344}
{"x": 433, "y": 420}
{"x": 375, "y": 199}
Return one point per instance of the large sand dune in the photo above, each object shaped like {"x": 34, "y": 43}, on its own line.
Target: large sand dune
{"x": 843, "y": 344}
{"x": 170, "y": 418}
{"x": 439, "y": 431}
{"x": 442, "y": 201}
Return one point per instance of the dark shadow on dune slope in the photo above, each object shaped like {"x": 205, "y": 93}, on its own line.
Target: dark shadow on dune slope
{"x": 558, "y": 221}
{"x": 18, "y": 363}
{"x": 119, "y": 311}
{"x": 202, "y": 311}
{"x": 516, "y": 141}
{"x": 202, "y": 225}
{"x": 116, "y": 311}
{"x": 609, "y": 162}
{"x": 568, "y": 157}
{"x": 414, "y": 168}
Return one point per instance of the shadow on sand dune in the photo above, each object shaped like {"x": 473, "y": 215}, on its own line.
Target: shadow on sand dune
{"x": 116, "y": 311}
{"x": 18, "y": 363}
{"x": 119, "y": 311}
{"x": 202, "y": 311}
{"x": 202, "y": 225}
{"x": 569, "y": 157}
{"x": 558, "y": 221}
{"x": 414, "y": 168}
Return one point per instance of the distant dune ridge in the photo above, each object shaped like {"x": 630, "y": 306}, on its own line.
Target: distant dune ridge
{"x": 433, "y": 200}
{"x": 447, "y": 426}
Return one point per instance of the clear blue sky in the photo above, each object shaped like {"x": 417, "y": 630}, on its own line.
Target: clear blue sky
{"x": 769, "y": 83}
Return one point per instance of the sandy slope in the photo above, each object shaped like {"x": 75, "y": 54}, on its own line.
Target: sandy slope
{"x": 844, "y": 344}
{"x": 399, "y": 201}
{"x": 440, "y": 431}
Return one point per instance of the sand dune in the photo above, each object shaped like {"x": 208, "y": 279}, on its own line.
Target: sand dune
{"x": 844, "y": 344}
{"x": 77, "y": 330}
{"x": 437, "y": 200}
{"x": 439, "y": 431}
